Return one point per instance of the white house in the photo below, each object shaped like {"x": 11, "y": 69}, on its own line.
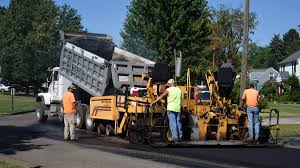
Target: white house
{"x": 291, "y": 64}
{"x": 260, "y": 76}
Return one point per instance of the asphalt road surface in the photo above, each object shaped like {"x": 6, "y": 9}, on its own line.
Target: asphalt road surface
{"x": 25, "y": 141}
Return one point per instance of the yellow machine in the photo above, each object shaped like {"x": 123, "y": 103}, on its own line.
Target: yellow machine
{"x": 215, "y": 119}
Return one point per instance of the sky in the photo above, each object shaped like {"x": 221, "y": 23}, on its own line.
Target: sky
{"x": 107, "y": 16}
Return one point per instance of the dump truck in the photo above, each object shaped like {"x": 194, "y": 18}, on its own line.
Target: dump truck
{"x": 97, "y": 67}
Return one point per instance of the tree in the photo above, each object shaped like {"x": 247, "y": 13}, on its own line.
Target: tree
{"x": 258, "y": 56}
{"x": 30, "y": 40}
{"x": 153, "y": 25}
{"x": 227, "y": 33}
{"x": 292, "y": 41}
{"x": 277, "y": 52}
{"x": 68, "y": 19}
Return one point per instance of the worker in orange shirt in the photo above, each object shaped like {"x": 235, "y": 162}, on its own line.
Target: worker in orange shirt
{"x": 69, "y": 105}
{"x": 251, "y": 97}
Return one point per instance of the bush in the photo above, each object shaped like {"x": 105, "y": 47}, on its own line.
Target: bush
{"x": 263, "y": 103}
{"x": 293, "y": 82}
{"x": 294, "y": 96}
{"x": 269, "y": 89}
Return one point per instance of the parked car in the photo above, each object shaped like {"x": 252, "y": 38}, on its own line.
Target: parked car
{"x": 4, "y": 88}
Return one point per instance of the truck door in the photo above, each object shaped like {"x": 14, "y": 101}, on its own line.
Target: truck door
{"x": 53, "y": 87}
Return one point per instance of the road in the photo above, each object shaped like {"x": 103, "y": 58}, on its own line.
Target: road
{"x": 25, "y": 141}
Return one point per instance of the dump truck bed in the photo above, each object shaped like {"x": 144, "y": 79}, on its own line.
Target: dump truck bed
{"x": 85, "y": 69}
{"x": 91, "y": 61}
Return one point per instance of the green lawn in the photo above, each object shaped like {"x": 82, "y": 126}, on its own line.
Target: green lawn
{"x": 4, "y": 164}
{"x": 290, "y": 130}
{"x": 285, "y": 110}
{"x": 21, "y": 103}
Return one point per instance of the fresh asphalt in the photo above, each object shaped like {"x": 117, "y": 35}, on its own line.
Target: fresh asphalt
{"x": 33, "y": 144}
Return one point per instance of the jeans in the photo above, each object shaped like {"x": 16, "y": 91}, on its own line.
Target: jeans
{"x": 175, "y": 125}
{"x": 69, "y": 131}
{"x": 253, "y": 118}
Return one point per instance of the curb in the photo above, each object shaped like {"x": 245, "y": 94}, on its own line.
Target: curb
{"x": 16, "y": 113}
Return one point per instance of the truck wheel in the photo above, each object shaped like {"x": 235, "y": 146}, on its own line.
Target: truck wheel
{"x": 89, "y": 122}
{"x": 80, "y": 117}
{"x": 61, "y": 114}
{"x": 109, "y": 129}
{"x": 40, "y": 111}
{"x": 101, "y": 128}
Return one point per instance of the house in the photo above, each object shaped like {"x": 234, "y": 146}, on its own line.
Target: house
{"x": 291, "y": 64}
{"x": 261, "y": 76}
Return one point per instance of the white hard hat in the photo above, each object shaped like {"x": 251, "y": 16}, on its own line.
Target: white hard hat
{"x": 171, "y": 81}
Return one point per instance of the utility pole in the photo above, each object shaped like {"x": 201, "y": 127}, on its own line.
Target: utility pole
{"x": 245, "y": 50}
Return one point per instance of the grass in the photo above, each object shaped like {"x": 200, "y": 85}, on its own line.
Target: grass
{"x": 285, "y": 110}
{"x": 4, "y": 164}
{"x": 288, "y": 130}
{"x": 21, "y": 103}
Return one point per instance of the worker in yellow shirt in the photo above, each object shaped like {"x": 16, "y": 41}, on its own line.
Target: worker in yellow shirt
{"x": 69, "y": 105}
{"x": 251, "y": 97}
{"x": 173, "y": 95}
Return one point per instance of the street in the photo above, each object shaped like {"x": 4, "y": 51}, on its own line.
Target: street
{"x": 25, "y": 141}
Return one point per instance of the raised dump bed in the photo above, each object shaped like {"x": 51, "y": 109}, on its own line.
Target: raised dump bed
{"x": 85, "y": 69}
{"x": 91, "y": 61}
{"x": 128, "y": 68}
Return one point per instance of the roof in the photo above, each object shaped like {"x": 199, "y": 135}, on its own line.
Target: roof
{"x": 256, "y": 73}
{"x": 284, "y": 75}
{"x": 291, "y": 58}
{"x": 257, "y": 70}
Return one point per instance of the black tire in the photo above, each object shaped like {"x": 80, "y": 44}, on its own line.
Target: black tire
{"x": 2, "y": 90}
{"x": 89, "y": 122}
{"x": 40, "y": 111}
{"x": 109, "y": 129}
{"x": 101, "y": 129}
{"x": 80, "y": 117}
{"x": 61, "y": 114}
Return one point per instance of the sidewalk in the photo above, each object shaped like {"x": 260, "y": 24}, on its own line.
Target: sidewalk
{"x": 285, "y": 120}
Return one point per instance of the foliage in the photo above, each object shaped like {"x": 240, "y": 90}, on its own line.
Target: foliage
{"x": 269, "y": 89}
{"x": 68, "y": 19}
{"x": 152, "y": 26}
{"x": 258, "y": 56}
{"x": 263, "y": 103}
{"x": 292, "y": 41}
{"x": 227, "y": 33}
{"x": 30, "y": 41}
{"x": 293, "y": 82}
{"x": 277, "y": 52}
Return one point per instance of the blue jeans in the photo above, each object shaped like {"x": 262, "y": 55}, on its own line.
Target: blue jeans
{"x": 253, "y": 118}
{"x": 175, "y": 125}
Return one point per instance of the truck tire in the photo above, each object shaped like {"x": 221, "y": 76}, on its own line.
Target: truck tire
{"x": 101, "y": 130}
{"x": 40, "y": 111}
{"x": 109, "y": 129}
{"x": 80, "y": 117}
{"x": 61, "y": 114}
{"x": 89, "y": 122}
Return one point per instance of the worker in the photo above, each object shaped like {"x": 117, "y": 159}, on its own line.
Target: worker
{"x": 225, "y": 77}
{"x": 69, "y": 105}
{"x": 173, "y": 95}
{"x": 251, "y": 96}
{"x": 228, "y": 64}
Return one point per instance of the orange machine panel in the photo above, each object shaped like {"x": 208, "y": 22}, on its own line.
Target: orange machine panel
{"x": 104, "y": 107}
